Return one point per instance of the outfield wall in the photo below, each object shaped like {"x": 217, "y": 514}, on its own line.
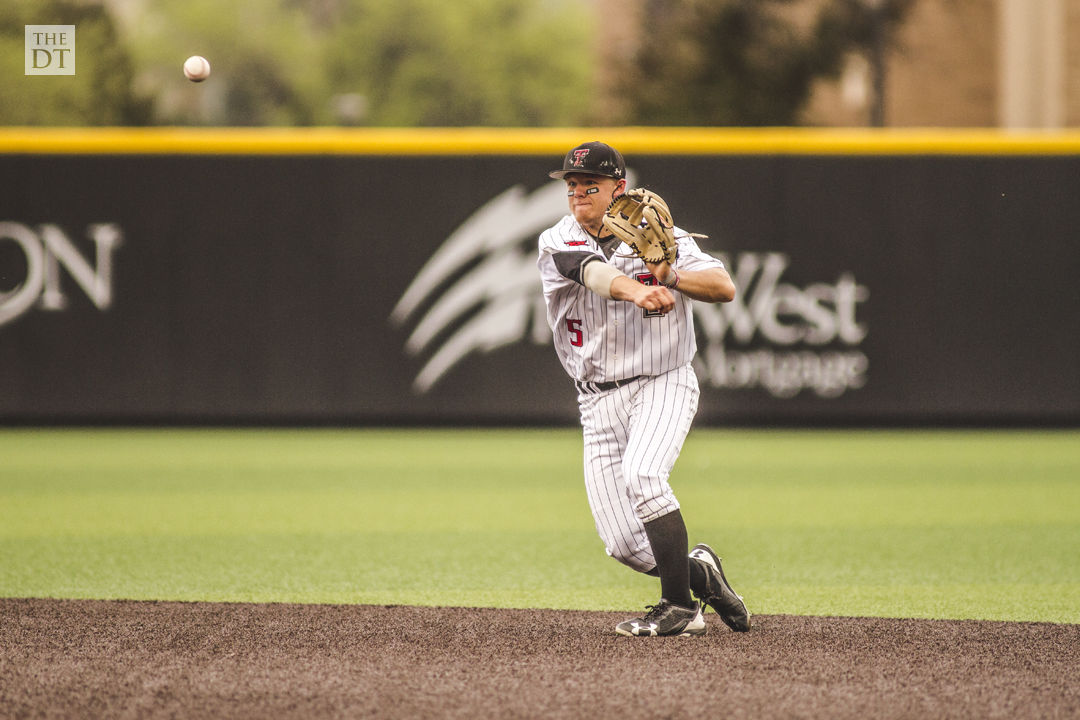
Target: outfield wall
{"x": 388, "y": 276}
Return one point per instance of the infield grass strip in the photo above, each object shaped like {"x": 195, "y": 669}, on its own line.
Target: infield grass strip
{"x": 950, "y": 524}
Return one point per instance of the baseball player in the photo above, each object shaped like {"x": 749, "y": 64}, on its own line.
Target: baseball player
{"x": 624, "y": 334}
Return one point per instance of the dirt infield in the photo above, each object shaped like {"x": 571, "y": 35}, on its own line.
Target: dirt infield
{"x": 75, "y": 659}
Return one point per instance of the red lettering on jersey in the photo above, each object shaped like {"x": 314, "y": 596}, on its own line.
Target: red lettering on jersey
{"x": 577, "y": 337}
{"x": 575, "y": 243}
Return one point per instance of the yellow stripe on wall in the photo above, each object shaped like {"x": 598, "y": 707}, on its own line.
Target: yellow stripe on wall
{"x": 531, "y": 141}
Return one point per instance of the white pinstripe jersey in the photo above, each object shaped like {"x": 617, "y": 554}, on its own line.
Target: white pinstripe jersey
{"x": 599, "y": 340}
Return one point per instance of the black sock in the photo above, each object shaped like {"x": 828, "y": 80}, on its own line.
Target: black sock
{"x": 667, "y": 536}
{"x": 697, "y": 577}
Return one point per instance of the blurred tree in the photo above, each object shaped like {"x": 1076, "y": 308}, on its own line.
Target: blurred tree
{"x": 363, "y": 62}
{"x": 100, "y": 92}
{"x": 264, "y": 57}
{"x": 470, "y": 62}
{"x": 869, "y": 27}
{"x": 745, "y": 62}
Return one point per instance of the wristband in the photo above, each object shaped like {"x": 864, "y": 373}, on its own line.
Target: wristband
{"x": 674, "y": 283}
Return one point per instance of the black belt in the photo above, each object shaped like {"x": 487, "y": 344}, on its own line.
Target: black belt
{"x": 598, "y": 387}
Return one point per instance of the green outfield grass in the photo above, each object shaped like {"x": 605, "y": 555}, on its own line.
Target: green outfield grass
{"x": 949, "y": 524}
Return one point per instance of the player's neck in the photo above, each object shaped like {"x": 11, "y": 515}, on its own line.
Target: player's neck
{"x": 593, "y": 229}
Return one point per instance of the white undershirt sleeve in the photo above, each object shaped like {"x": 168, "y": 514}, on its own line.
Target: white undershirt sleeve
{"x": 598, "y": 276}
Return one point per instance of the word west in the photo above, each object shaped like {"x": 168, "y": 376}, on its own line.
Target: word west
{"x": 43, "y": 251}
{"x": 50, "y": 50}
{"x": 783, "y": 338}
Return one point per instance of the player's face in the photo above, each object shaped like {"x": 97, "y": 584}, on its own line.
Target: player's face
{"x": 589, "y": 196}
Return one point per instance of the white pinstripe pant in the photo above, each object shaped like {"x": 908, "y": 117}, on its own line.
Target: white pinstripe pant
{"x": 633, "y": 436}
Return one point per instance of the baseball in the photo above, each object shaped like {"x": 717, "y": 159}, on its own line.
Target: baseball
{"x": 196, "y": 68}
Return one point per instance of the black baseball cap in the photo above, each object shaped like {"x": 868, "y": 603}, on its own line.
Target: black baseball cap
{"x": 592, "y": 158}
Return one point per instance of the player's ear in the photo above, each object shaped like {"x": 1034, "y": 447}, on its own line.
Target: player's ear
{"x": 620, "y": 188}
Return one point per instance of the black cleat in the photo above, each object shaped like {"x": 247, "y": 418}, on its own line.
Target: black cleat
{"x": 665, "y": 619}
{"x": 717, "y": 593}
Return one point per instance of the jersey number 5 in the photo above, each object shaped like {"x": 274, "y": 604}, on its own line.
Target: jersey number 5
{"x": 577, "y": 338}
